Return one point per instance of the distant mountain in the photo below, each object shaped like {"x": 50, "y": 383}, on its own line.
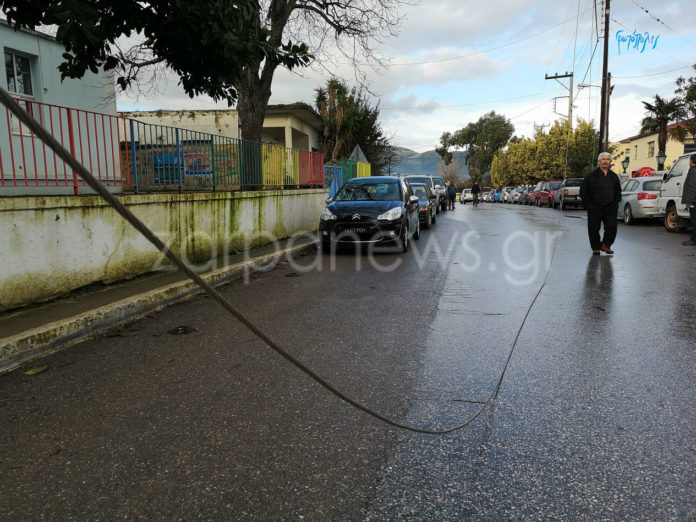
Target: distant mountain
{"x": 430, "y": 162}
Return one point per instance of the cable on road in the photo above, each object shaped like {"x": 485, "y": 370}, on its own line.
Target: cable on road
{"x": 65, "y": 155}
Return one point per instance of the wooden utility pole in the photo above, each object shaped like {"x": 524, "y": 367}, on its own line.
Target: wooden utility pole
{"x": 570, "y": 93}
{"x": 606, "y": 88}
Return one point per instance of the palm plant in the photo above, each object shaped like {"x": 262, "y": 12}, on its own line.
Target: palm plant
{"x": 659, "y": 114}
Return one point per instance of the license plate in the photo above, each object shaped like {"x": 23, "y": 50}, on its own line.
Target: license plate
{"x": 357, "y": 230}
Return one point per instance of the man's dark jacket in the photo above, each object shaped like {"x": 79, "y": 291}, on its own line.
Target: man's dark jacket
{"x": 689, "y": 190}
{"x": 590, "y": 182}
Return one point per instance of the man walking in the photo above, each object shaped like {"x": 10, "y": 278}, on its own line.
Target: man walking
{"x": 476, "y": 192}
{"x": 451, "y": 195}
{"x": 601, "y": 192}
{"x": 689, "y": 198}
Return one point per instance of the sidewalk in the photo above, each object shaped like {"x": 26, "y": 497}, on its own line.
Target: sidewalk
{"x": 38, "y": 330}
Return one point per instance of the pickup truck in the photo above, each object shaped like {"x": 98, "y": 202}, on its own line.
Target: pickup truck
{"x": 436, "y": 184}
{"x": 441, "y": 192}
{"x": 676, "y": 215}
{"x": 568, "y": 194}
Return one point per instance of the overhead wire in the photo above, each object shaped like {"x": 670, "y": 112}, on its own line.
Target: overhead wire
{"x": 83, "y": 173}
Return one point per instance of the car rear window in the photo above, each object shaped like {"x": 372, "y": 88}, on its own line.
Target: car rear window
{"x": 368, "y": 192}
{"x": 420, "y": 192}
{"x": 554, "y": 185}
{"x": 573, "y": 182}
{"x": 652, "y": 185}
{"x": 418, "y": 179}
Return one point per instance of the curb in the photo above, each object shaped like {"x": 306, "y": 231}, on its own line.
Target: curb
{"x": 52, "y": 337}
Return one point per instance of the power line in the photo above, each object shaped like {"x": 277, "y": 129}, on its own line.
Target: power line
{"x": 661, "y": 22}
{"x": 654, "y": 74}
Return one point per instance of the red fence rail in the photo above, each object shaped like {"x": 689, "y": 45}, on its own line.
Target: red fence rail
{"x": 93, "y": 138}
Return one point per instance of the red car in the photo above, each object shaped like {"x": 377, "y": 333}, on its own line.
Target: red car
{"x": 543, "y": 193}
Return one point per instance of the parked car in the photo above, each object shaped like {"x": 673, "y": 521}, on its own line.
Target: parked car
{"x": 371, "y": 211}
{"x": 676, "y": 216}
{"x": 534, "y": 193}
{"x": 466, "y": 196}
{"x": 553, "y": 187}
{"x": 568, "y": 194}
{"x": 542, "y": 195}
{"x": 495, "y": 196}
{"x": 516, "y": 193}
{"x": 427, "y": 204}
{"x": 436, "y": 184}
{"x": 639, "y": 199}
{"x": 505, "y": 193}
{"x": 524, "y": 195}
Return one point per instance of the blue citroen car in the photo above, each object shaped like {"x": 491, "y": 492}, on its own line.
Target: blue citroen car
{"x": 371, "y": 211}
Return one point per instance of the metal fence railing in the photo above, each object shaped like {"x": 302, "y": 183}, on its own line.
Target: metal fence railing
{"x": 137, "y": 156}
{"x": 92, "y": 137}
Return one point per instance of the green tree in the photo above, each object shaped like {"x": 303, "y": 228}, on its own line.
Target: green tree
{"x": 349, "y": 120}
{"x": 558, "y": 154}
{"x": 481, "y": 139}
{"x": 227, "y": 49}
{"x": 659, "y": 114}
{"x": 206, "y": 43}
{"x": 686, "y": 94}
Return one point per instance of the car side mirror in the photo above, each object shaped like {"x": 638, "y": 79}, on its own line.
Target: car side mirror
{"x": 328, "y": 200}
{"x": 665, "y": 176}
{"x": 413, "y": 199}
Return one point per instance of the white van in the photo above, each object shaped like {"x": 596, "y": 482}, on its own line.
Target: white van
{"x": 669, "y": 202}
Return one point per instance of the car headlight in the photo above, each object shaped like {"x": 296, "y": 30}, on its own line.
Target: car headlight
{"x": 327, "y": 215}
{"x": 391, "y": 214}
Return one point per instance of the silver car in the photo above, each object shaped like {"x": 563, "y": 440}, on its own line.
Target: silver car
{"x": 639, "y": 198}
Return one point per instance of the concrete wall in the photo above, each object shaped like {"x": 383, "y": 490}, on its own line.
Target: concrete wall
{"x": 52, "y": 245}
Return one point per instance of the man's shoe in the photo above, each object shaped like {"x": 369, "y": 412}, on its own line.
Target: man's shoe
{"x": 595, "y": 252}
{"x": 689, "y": 243}
{"x": 606, "y": 249}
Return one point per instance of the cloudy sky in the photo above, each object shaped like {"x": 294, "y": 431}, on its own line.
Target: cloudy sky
{"x": 455, "y": 60}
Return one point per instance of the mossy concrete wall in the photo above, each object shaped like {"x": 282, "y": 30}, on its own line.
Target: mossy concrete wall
{"x": 50, "y": 246}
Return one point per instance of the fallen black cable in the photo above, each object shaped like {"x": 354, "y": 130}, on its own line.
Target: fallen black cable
{"x": 30, "y": 122}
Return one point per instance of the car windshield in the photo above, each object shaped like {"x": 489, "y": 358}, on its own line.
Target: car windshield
{"x": 573, "y": 182}
{"x": 439, "y": 181}
{"x": 368, "y": 192}
{"x": 554, "y": 185}
{"x": 652, "y": 185}
{"x": 425, "y": 181}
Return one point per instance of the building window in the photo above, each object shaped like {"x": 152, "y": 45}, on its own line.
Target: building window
{"x": 651, "y": 149}
{"x": 635, "y": 151}
{"x": 18, "y": 71}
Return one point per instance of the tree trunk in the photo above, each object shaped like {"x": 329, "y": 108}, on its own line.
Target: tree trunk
{"x": 254, "y": 94}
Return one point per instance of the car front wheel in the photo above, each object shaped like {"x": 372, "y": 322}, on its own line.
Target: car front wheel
{"x": 672, "y": 219}
{"x": 404, "y": 238}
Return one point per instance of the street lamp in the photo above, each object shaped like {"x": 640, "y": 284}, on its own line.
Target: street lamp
{"x": 661, "y": 161}
{"x": 624, "y": 164}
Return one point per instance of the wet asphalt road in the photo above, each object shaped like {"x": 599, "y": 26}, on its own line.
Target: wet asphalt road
{"x": 594, "y": 419}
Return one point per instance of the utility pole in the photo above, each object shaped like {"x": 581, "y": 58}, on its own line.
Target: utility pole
{"x": 570, "y": 92}
{"x": 606, "y": 88}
